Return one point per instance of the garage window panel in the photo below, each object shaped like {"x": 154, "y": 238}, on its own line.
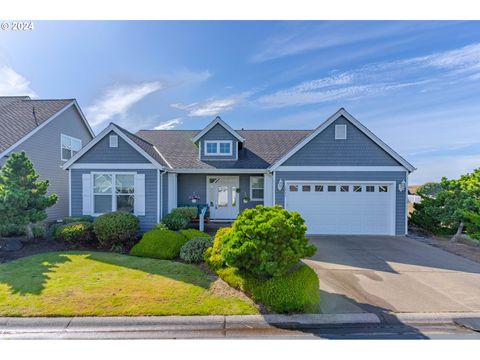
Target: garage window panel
{"x": 383, "y": 188}
{"x": 306, "y": 188}
{"x": 357, "y": 188}
{"x": 344, "y": 188}
{"x": 318, "y": 188}
{"x": 293, "y": 188}
{"x": 370, "y": 188}
{"x": 332, "y": 188}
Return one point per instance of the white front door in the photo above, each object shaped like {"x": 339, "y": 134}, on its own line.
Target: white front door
{"x": 222, "y": 197}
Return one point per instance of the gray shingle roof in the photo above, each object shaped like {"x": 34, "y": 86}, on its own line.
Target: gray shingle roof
{"x": 262, "y": 148}
{"x": 17, "y": 120}
{"x": 144, "y": 144}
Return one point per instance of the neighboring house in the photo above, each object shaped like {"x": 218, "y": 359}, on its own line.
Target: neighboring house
{"x": 340, "y": 176}
{"x": 50, "y": 132}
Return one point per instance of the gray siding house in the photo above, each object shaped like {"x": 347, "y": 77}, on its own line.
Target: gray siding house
{"x": 340, "y": 177}
{"x": 50, "y": 132}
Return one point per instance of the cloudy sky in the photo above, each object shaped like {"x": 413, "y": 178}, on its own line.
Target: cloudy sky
{"x": 414, "y": 84}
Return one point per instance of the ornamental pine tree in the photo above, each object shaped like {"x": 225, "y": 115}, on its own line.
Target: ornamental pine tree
{"x": 23, "y": 199}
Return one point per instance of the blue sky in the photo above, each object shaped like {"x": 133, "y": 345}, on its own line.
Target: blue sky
{"x": 414, "y": 84}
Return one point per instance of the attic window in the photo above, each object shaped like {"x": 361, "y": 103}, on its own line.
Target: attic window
{"x": 113, "y": 141}
{"x": 223, "y": 148}
{"x": 340, "y": 132}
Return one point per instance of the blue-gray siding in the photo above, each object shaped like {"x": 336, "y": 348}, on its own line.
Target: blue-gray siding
{"x": 102, "y": 153}
{"x": 398, "y": 177}
{"x": 43, "y": 149}
{"x": 218, "y": 132}
{"x": 147, "y": 221}
{"x": 189, "y": 183}
{"x": 357, "y": 150}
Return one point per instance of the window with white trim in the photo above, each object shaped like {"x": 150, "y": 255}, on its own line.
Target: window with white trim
{"x": 340, "y": 132}
{"x": 69, "y": 146}
{"x": 222, "y": 148}
{"x": 256, "y": 188}
{"x": 109, "y": 197}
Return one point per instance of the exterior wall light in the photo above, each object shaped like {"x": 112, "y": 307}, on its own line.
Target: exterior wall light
{"x": 280, "y": 185}
{"x": 401, "y": 186}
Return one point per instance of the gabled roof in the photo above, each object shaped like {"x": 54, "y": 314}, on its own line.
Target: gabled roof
{"x": 21, "y": 116}
{"x": 262, "y": 148}
{"x": 141, "y": 145}
{"x": 342, "y": 112}
{"x": 220, "y": 122}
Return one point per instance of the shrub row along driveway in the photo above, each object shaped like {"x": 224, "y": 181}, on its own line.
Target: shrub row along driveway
{"x": 381, "y": 273}
{"x": 103, "y": 284}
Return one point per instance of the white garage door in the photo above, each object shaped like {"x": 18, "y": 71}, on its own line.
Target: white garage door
{"x": 343, "y": 207}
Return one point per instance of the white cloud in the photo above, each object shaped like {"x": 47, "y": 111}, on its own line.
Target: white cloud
{"x": 378, "y": 78}
{"x": 212, "y": 106}
{"x": 169, "y": 124}
{"x": 118, "y": 99}
{"x": 14, "y": 84}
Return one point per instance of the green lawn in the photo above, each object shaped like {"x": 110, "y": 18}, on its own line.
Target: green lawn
{"x": 104, "y": 284}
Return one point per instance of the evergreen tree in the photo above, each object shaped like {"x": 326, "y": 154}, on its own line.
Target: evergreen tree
{"x": 23, "y": 199}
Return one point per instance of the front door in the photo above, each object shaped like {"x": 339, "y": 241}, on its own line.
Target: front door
{"x": 223, "y": 197}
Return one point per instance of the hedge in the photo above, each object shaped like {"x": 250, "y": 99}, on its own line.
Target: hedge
{"x": 159, "y": 244}
{"x": 116, "y": 228}
{"x": 76, "y": 233}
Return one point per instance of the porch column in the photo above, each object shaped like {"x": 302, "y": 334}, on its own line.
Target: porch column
{"x": 172, "y": 191}
{"x": 268, "y": 190}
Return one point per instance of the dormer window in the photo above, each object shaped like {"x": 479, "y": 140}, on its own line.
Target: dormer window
{"x": 218, "y": 148}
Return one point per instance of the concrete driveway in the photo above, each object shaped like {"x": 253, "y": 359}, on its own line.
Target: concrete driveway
{"x": 397, "y": 274}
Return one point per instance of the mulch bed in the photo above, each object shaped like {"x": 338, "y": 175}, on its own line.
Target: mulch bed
{"x": 470, "y": 252}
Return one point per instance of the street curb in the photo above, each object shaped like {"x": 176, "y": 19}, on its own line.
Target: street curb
{"x": 434, "y": 318}
{"x": 179, "y": 323}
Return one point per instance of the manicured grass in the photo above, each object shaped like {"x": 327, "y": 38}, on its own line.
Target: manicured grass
{"x": 105, "y": 284}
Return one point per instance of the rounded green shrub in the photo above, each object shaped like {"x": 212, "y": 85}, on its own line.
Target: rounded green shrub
{"x": 159, "y": 244}
{"x": 116, "y": 228}
{"x": 193, "y": 250}
{"x": 296, "y": 291}
{"x": 83, "y": 218}
{"x": 75, "y": 233}
{"x": 194, "y": 233}
{"x": 175, "y": 221}
{"x": 39, "y": 231}
{"x": 189, "y": 212}
{"x": 213, "y": 255}
{"x": 266, "y": 241}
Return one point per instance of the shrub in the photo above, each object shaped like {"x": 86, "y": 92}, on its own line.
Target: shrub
{"x": 175, "y": 221}
{"x": 75, "y": 233}
{"x": 194, "y": 233}
{"x": 213, "y": 255}
{"x": 83, "y": 218}
{"x": 159, "y": 244}
{"x": 12, "y": 230}
{"x": 39, "y": 231}
{"x": 161, "y": 226}
{"x": 189, "y": 212}
{"x": 266, "y": 241}
{"x": 296, "y": 291}
{"x": 193, "y": 250}
{"x": 115, "y": 228}
{"x": 473, "y": 225}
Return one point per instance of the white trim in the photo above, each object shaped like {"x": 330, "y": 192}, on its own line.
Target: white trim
{"x": 172, "y": 191}
{"x": 337, "y": 132}
{"x": 217, "y": 142}
{"x": 406, "y": 202}
{"x": 251, "y": 189}
{"x": 218, "y": 171}
{"x": 114, "y": 191}
{"x": 62, "y": 136}
{"x": 329, "y": 121}
{"x": 42, "y": 125}
{"x": 105, "y": 132}
{"x": 267, "y": 189}
{"x": 340, "y": 168}
{"x": 109, "y": 166}
{"x": 161, "y": 194}
{"x": 113, "y": 141}
{"x": 69, "y": 193}
{"x": 393, "y": 193}
{"x": 216, "y": 121}
{"x": 274, "y": 188}
{"x": 158, "y": 196}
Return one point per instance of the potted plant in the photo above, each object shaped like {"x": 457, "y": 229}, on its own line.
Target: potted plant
{"x": 194, "y": 198}
{"x": 245, "y": 198}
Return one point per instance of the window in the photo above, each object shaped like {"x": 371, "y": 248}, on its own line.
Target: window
{"x": 306, "y": 188}
{"x": 256, "y": 187}
{"x": 223, "y": 148}
{"x": 318, "y": 188}
{"x": 340, "y": 132}
{"x": 113, "y": 141}
{"x": 370, "y": 188}
{"x": 344, "y": 188}
{"x": 293, "y": 188}
{"x": 69, "y": 146}
{"x": 107, "y": 197}
{"x": 383, "y": 188}
{"x": 357, "y": 188}
{"x": 331, "y": 188}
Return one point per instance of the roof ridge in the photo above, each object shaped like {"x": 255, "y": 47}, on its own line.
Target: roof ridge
{"x": 178, "y": 130}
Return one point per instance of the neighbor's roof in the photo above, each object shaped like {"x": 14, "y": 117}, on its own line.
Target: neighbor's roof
{"x": 261, "y": 149}
{"x": 17, "y": 119}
